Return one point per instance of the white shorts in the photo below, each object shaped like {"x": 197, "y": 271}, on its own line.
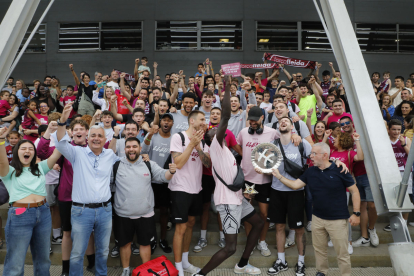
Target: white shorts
{"x": 231, "y": 215}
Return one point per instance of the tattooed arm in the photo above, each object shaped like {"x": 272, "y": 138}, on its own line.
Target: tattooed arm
{"x": 204, "y": 157}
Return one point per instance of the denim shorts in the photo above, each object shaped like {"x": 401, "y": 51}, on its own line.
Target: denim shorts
{"x": 364, "y": 188}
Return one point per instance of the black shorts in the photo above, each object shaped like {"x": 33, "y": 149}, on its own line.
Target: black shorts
{"x": 65, "y": 208}
{"x": 126, "y": 228}
{"x": 284, "y": 203}
{"x": 263, "y": 190}
{"x": 162, "y": 195}
{"x": 208, "y": 184}
{"x": 184, "y": 205}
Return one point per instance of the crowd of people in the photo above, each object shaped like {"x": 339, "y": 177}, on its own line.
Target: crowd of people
{"x": 101, "y": 154}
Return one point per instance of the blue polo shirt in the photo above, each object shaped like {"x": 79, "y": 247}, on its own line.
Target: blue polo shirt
{"x": 328, "y": 190}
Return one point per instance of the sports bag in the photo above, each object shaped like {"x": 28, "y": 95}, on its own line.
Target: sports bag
{"x": 160, "y": 266}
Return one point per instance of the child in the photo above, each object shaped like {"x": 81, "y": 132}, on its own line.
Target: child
{"x": 13, "y": 138}
{"x": 141, "y": 68}
{"x": 70, "y": 97}
{"x": 386, "y": 83}
{"x": 273, "y": 89}
{"x": 266, "y": 105}
{"x": 4, "y": 103}
{"x": 106, "y": 119}
{"x": 408, "y": 125}
{"x": 335, "y": 128}
{"x": 30, "y": 120}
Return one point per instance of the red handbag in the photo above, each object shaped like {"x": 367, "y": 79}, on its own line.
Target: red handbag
{"x": 160, "y": 266}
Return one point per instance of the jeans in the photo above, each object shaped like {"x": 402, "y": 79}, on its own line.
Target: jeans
{"x": 84, "y": 220}
{"x": 32, "y": 227}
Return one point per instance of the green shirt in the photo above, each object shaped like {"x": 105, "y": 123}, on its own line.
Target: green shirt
{"x": 307, "y": 103}
{"x": 27, "y": 183}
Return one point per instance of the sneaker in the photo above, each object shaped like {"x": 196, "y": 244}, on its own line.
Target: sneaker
{"x": 126, "y": 273}
{"x": 330, "y": 244}
{"x": 64, "y": 274}
{"x": 50, "y": 251}
{"x": 289, "y": 243}
{"x": 272, "y": 225}
{"x": 309, "y": 226}
{"x": 200, "y": 245}
{"x": 153, "y": 246}
{"x": 247, "y": 269}
{"x": 192, "y": 269}
{"x": 91, "y": 269}
{"x": 169, "y": 225}
{"x": 165, "y": 247}
{"x": 277, "y": 267}
{"x": 300, "y": 269}
{"x": 221, "y": 243}
{"x": 134, "y": 249}
{"x": 361, "y": 242}
{"x": 387, "y": 228}
{"x": 115, "y": 251}
{"x": 262, "y": 246}
{"x": 350, "y": 249}
{"x": 57, "y": 240}
{"x": 373, "y": 237}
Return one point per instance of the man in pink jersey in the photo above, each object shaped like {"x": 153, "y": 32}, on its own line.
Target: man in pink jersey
{"x": 337, "y": 113}
{"x": 232, "y": 206}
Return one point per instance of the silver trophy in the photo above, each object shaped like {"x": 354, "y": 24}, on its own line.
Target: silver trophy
{"x": 266, "y": 157}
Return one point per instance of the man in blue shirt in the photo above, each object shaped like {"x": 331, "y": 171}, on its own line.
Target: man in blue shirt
{"x": 91, "y": 195}
{"x": 328, "y": 185}
{"x": 201, "y": 70}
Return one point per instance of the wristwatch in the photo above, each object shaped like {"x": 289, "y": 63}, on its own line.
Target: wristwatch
{"x": 116, "y": 137}
{"x": 61, "y": 124}
{"x": 357, "y": 214}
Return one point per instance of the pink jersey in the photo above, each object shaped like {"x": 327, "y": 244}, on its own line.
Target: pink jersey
{"x": 400, "y": 153}
{"x": 337, "y": 118}
{"x": 4, "y": 108}
{"x": 43, "y": 119}
{"x": 248, "y": 142}
{"x": 66, "y": 100}
{"x": 347, "y": 157}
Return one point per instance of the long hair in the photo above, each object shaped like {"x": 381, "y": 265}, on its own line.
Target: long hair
{"x": 17, "y": 165}
{"x": 398, "y": 111}
{"x": 104, "y": 95}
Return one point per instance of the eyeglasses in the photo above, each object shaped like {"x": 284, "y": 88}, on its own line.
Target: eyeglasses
{"x": 346, "y": 123}
{"x": 42, "y": 106}
{"x": 96, "y": 164}
{"x": 299, "y": 76}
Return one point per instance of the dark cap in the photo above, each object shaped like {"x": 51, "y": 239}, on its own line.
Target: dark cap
{"x": 255, "y": 113}
{"x": 165, "y": 115}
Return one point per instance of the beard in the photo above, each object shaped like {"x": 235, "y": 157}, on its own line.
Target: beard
{"x": 134, "y": 159}
{"x": 284, "y": 131}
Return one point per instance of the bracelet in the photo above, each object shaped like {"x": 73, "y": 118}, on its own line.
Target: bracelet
{"x": 403, "y": 145}
{"x": 280, "y": 177}
{"x": 171, "y": 172}
{"x": 146, "y": 139}
{"x": 2, "y": 143}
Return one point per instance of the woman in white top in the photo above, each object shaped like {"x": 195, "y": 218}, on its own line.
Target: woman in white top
{"x": 104, "y": 103}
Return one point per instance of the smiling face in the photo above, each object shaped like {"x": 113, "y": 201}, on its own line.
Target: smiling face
{"x": 394, "y": 132}
{"x": 44, "y": 108}
{"x": 215, "y": 116}
{"x": 107, "y": 120}
{"x": 19, "y": 85}
{"x": 386, "y": 100}
{"x": 131, "y": 130}
{"x": 132, "y": 150}
{"x": 285, "y": 126}
{"x": 207, "y": 100}
{"x": 348, "y": 125}
{"x": 108, "y": 92}
{"x": 12, "y": 100}
{"x": 198, "y": 122}
{"x": 166, "y": 124}
{"x": 259, "y": 99}
{"x": 329, "y": 100}
{"x": 281, "y": 110}
{"x": 143, "y": 94}
{"x": 79, "y": 133}
{"x": 337, "y": 108}
{"x": 5, "y": 96}
{"x": 26, "y": 153}
{"x": 43, "y": 90}
{"x": 210, "y": 87}
{"x": 304, "y": 91}
{"x": 405, "y": 95}
{"x": 234, "y": 104}
{"x": 188, "y": 104}
{"x": 326, "y": 78}
{"x": 96, "y": 139}
{"x": 156, "y": 94}
{"x": 13, "y": 139}
{"x": 405, "y": 109}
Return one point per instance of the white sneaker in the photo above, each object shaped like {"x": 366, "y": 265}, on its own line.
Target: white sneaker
{"x": 373, "y": 237}
{"x": 289, "y": 243}
{"x": 330, "y": 244}
{"x": 200, "y": 245}
{"x": 309, "y": 226}
{"x": 192, "y": 269}
{"x": 271, "y": 225}
{"x": 262, "y": 246}
{"x": 221, "y": 243}
{"x": 248, "y": 269}
{"x": 361, "y": 242}
{"x": 350, "y": 249}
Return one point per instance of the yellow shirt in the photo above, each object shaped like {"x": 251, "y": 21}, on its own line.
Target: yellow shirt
{"x": 409, "y": 133}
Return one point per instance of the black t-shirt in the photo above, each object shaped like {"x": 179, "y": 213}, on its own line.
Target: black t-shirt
{"x": 46, "y": 100}
{"x": 157, "y": 102}
{"x": 128, "y": 117}
{"x": 88, "y": 90}
{"x": 328, "y": 190}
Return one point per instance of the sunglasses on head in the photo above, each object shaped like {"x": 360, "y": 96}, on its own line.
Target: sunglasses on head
{"x": 346, "y": 123}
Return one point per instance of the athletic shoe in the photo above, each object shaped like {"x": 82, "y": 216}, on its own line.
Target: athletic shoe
{"x": 169, "y": 224}
{"x": 262, "y": 246}
{"x": 192, "y": 269}
{"x": 289, "y": 243}
{"x": 330, "y": 244}
{"x": 50, "y": 251}
{"x": 221, "y": 243}
{"x": 272, "y": 225}
{"x": 135, "y": 249}
{"x": 115, "y": 251}
{"x": 126, "y": 272}
{"x": 165, "y": 247}
{"x": 57, "y": 240}
{"x": 309, "y": 226}
{"x": 320, "y": 274}
{"x": 387, "y": 228}
{"x": 247, "y": 269}
{"x": 277, "y": 267}
{"x": 91, "y": 269}
{"x": 200, "y": 245}
{"x": 153, "y": 246}
{"x": 350, "y": 249}
{"x": 64, "y": 274}
{"x": 373, "y": 237}
{"x": 300, "y": 269}
{"x": 361, "y": 242}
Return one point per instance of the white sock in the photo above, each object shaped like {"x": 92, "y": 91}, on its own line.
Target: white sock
{"x": 281, "y": 256}
{"x": 126, "y": 269}
{"x": 179, "y": 267}
{"x": 291, "y": 235}
{"x": 301, "y": 259}
{"x": 203, "y": 234}
{"x": 185, "y": 260}
{"x": 56, "y": 233}
{"x": 221, "y": 235}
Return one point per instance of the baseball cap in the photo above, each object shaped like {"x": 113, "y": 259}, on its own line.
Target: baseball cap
{"x": 167, "y": 115}
{"x": 255, "y": 113}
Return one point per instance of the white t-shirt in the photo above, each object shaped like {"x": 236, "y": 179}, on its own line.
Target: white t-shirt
{"x": 109, "y": 132}
{"x": 114, "y": 85}
{"x": 266, "y": 106}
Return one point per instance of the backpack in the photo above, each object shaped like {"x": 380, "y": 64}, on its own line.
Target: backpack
{"x": 291, "y": 167}
{"x": 269, "y": 118}
{"x": 183, "y": 140}
{"x": 116, "y": 166}
{"x": 297, "y": 126}
{"x": 160, "y": 266}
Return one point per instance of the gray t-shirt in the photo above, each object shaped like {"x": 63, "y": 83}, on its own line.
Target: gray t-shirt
{"x": 120, "y": 147}
{"x": 293, "y": 154}
{"x": 180, "y": 122}
{"x": 303, "y": 128}
{"x": 158, "y": 150}
{"x": 207, "y": 114}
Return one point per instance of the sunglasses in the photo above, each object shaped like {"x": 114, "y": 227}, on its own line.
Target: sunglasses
{"x": 345, "y": 124}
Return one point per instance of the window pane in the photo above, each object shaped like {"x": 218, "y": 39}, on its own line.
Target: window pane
{"x": 277, "y": 36}
{"x": 176, "y": 39}
{"x": 314, "y": 37}
{"x": 79, "y": 36}
{"x": 176, "y": 24}
{"x": 377, "y": 37}
{"x": 406, "y": 42}
{"x": 121, "y": 25}
{"x": 221, "y": 24}
{"x": 38, "y": 42}
{"x": 121, "y": 36}
{"x": 221, "y": 39}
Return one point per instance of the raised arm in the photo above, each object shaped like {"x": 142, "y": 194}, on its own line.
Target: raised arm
{"x": 122, "y": 86}
{"x": 44, "y": 150}
{"x": 333, "y": 69}
{"x": 114, "y": 109}
{"x": 95, "y": 98}
{"x": 360, "y": 154}
{"x": 4, "y": 162}
{"x": 155, "y": 70}
{"x": 75, "y": 77}
{"x": 317, "y": 91}
{"x": 174, "y": 95}
{"x": 112, "y": 144}
{"x": 51, "y": 161}
{"x": 286, "y": 73}
{"x": 136, "y": 69}
{"x": 309, "y": 119}
{"x": 95, "y": 118}
{"x": 225, "y": 116}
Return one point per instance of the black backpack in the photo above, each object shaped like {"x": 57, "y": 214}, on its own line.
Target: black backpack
{"x": 297, "y": 126}
{"x": 183, "y": 140}
{"x": 116, "y": 166}
{"x": 291, "y": 167}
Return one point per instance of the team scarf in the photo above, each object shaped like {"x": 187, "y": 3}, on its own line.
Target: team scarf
{"x": 299, "y": 63}
{"x": 128, "y": 77}
{"x": 260, "y": 66}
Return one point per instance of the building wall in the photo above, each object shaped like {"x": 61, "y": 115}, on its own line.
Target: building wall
{"x": 35, "y": 65}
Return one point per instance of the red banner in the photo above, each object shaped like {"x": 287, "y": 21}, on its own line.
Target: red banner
{"x": 299, "y": 63}
{"x": 260, "y": 66}
{"x": 128, "y": 77}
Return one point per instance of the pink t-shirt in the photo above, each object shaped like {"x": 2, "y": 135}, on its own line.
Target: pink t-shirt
{"x": 248, "y": 142}
{"x": 226, "y": 167}
{"x": 343, "y": 157}
{"x": 188, "y": 178}
{"x": 66, "y": 100}
{"x": 336, "y": 118}
{"x": 4, "y": 107}
{"x": 43, "y": 119}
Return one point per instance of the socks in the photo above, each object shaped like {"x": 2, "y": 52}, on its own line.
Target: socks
{"x": 185, "y": 262}
{"x": 65, "y": 266}
{"x": 243, "y": 262}
{"x": 179, "y": 267}
{"x": 56, "y": 233}
{"x": 301, "y": 259}
{"x": 201, "y": 273}
{"x": 91, "y": 260}
{"x": 291, "y": 235}
{"x": 126, "y": 269}
{"x": 281, "y": 256}
{"x": 203, "y": 234}
{"x": 221, "y": 235}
